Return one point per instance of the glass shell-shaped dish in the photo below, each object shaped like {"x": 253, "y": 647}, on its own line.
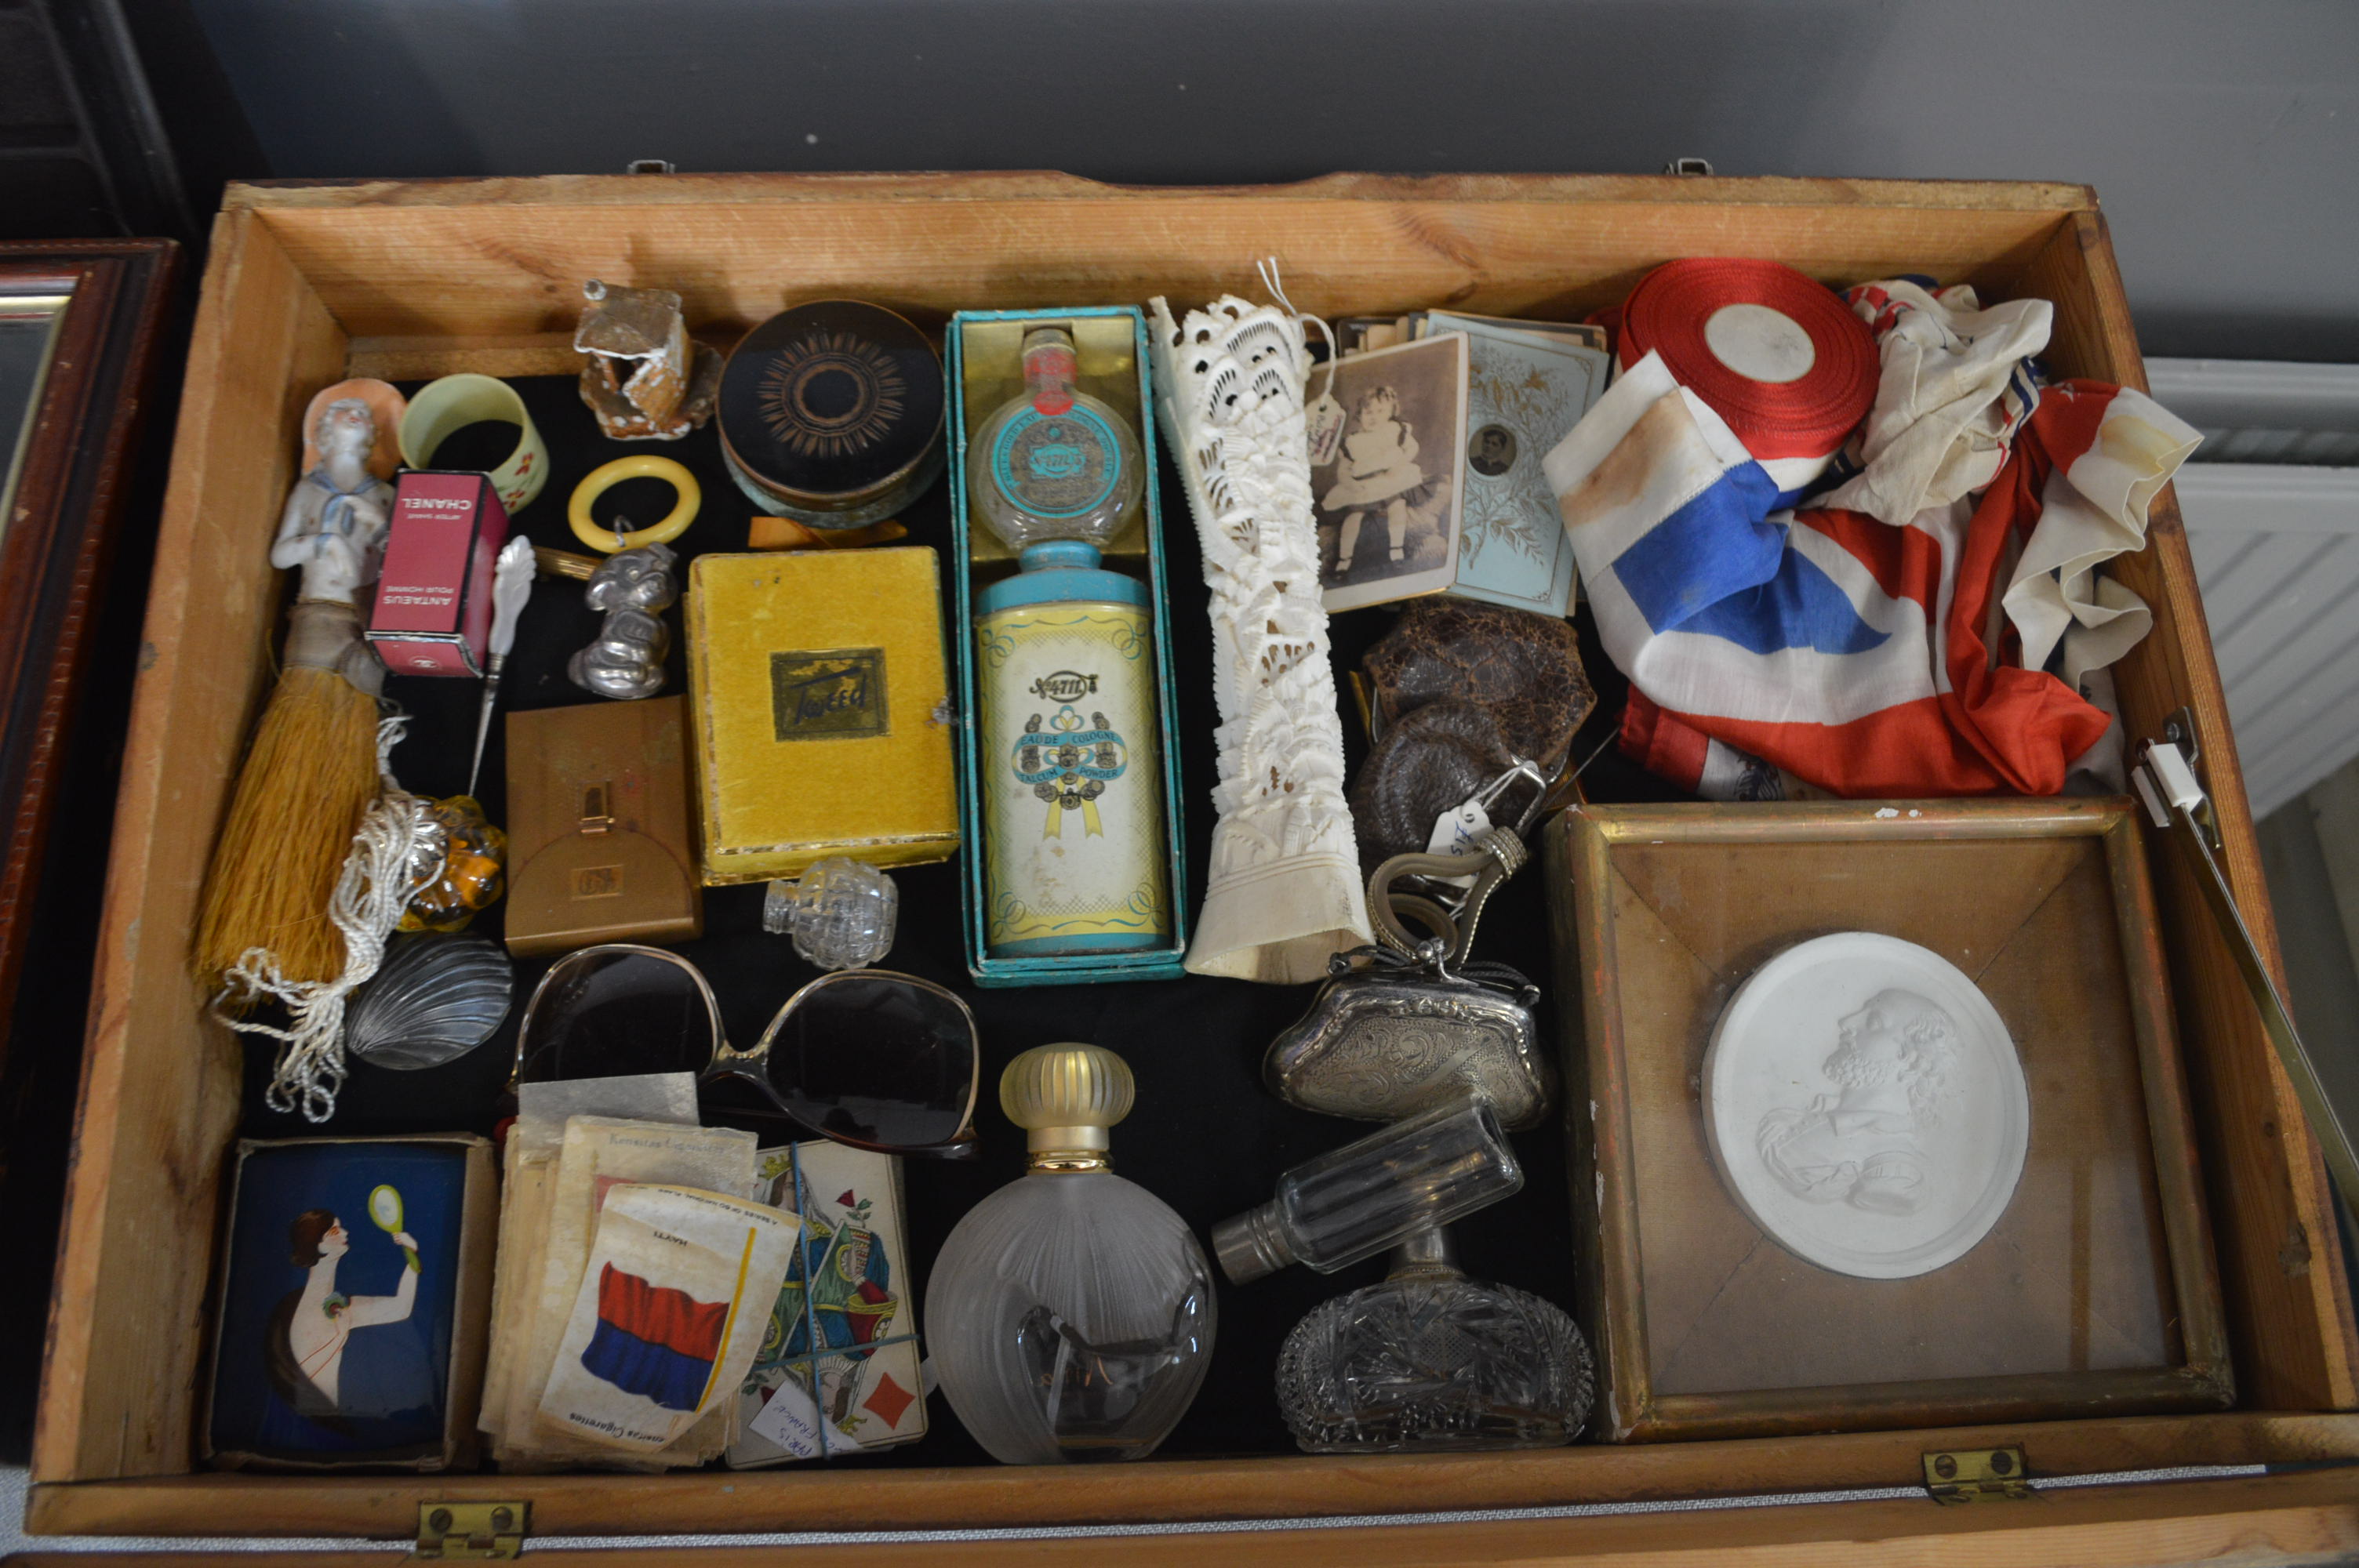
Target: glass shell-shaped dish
{"x": 1070, "y": 1318}
{"x": 434, "y": 1000}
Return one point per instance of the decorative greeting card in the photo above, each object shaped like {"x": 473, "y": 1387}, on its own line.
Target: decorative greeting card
{"x": 353, "y": 1311}
{"x": 1527, "y": 388}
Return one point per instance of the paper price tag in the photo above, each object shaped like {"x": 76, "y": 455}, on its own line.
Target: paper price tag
{"x": 1453, "y": 834}
{"x": 791, "y": 1421}
{"x": 1325, "y": 421}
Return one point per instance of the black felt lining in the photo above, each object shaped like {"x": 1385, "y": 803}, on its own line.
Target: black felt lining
{"x": 1205, "y": 1136}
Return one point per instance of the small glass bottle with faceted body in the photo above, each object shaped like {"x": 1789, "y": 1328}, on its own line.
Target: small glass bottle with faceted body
{"x": 1068, "y": 755}
{"x": 1071, "y": 1313}
{"x": 1352, "y": 1203}
{"x": 1432, "y": 1360}
{"x": 841, "y": 912}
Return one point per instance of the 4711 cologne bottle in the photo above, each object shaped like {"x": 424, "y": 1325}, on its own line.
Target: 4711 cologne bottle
{"x": 1069, "y": 764}
{"x": 1071, "y": 1313}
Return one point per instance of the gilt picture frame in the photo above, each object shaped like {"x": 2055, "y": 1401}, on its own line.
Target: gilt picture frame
{"x": 2096, "y": 1291}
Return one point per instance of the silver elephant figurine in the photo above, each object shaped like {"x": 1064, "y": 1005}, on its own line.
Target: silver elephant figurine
{"x": 634, "y": 587}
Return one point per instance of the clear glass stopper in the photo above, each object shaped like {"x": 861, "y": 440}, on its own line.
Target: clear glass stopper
{"x": 841, "y": 912}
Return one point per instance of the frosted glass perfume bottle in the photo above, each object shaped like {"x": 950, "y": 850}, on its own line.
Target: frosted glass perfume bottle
{"x": 1071, "y": 1313}
{"x": 1352, "y": 1203}
{"x": 1432, "y": 1360}
{"x": 1069, "y": 758}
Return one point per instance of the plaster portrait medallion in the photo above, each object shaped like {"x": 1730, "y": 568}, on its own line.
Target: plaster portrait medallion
{"x": 1866, "y": 1105}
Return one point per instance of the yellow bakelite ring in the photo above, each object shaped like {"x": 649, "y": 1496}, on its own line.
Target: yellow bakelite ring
{"x": 577, "y": 510}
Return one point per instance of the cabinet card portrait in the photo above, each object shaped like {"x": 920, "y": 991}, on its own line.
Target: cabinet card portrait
{"x": 1389, "y": 503}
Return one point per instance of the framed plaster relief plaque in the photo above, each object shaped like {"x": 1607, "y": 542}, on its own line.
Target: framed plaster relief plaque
{"x": 1878, "y": 1119}
{"x": 1865, "y": 1105}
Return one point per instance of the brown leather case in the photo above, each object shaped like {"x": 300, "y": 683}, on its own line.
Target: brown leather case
{"x": 598, "y": 841}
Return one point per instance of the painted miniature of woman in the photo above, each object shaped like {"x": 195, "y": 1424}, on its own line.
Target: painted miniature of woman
{"x": 303, "y": 1344}
{"x": 1379, "y": 469}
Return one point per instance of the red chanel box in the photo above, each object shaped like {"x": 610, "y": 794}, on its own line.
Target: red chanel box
{"x": 434, "y": 615}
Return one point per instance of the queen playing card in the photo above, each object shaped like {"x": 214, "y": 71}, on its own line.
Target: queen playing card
{"x": 838, "y": 1369}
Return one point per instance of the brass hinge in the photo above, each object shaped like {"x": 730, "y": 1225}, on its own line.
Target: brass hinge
{"x": 1976, "y": 1476}
{"x": 473, "y": 1532}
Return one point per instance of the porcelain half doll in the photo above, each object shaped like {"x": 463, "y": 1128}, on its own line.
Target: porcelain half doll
{"x": 334, "y": 523}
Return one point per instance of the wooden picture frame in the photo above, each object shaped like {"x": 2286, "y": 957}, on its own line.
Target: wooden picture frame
{"x": 78, "y": 441}
{"x": 2096, "y": 1291}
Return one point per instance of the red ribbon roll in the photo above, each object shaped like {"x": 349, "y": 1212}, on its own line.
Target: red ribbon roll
{"x": 1777, "y": 356}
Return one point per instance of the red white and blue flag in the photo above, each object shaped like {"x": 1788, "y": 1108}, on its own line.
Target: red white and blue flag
{"x": 1866, "y": 659}
{"x": 654, "y": 1341}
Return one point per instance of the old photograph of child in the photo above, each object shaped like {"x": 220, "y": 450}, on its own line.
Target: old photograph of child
{"x": 1388, "y": 503}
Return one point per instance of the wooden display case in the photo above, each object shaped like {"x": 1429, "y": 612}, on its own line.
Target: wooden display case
{"x": 308, "y": 284}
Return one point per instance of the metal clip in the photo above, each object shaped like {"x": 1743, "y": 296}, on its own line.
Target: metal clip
{"x": 2179, "y": 729}
{"x": 471, "y": 1531}
{"x": 1977, "y": 1475}
{"x": 1451, "y": 893}
{"x": 1491, "y": 791}
{"x": 2175, "y": 800}
{"x": 597, "y": 809}
{"x": 1689, "y": 166}
{"x": 650, "y": 166}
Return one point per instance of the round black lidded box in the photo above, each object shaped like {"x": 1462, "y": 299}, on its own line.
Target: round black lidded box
{"x": 830, "y": 414}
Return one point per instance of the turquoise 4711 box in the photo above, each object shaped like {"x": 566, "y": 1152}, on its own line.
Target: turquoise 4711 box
{"x": 1069, "y": 780}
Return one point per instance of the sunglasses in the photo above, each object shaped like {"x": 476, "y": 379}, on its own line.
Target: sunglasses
{"x": 869, "y": 1058}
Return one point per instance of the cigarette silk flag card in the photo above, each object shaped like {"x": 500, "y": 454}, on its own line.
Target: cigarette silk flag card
{"x": 821, "y": 706}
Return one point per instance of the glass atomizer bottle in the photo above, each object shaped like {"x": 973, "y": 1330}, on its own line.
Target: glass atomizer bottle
{"x": 1429, "y": 1358}
{"x": 1070, "y": 765}
{"x": 1352, "y": 1203}
{"x": 1071, "y": 1313}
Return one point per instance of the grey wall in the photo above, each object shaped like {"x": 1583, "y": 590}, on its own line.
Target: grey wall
{"x": 2222, "y": 138}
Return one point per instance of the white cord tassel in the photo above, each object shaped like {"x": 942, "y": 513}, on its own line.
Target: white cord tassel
{"x": 368, "y": 903}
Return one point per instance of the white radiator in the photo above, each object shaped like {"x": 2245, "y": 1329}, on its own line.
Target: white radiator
{"x": 2274, "y": 533}
{"x": 2262, "y": 411}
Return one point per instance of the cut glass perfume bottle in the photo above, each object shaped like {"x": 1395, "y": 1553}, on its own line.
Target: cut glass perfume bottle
{"x": 1071, "y": 1313}
{"x": 1431, "y": 1359}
